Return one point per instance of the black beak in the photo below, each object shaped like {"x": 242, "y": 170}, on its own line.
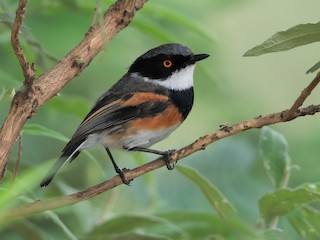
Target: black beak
{"x": 199, "y": 57}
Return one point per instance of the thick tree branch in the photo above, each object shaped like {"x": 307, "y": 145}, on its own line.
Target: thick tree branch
{"x": 28, "y": 100}
{"x": 200, "y": 144}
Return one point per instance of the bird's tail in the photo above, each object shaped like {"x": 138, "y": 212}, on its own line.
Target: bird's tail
{"x": 69, "y": 153}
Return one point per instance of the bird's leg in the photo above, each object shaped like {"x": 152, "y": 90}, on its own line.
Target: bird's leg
{"x": 118, "y": 170}
{"x": 165, "y": 154}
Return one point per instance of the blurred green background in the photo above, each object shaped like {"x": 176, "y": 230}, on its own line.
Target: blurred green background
{"x": 229, "y": 88}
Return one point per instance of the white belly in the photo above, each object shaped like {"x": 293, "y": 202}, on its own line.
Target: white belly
{"x": 143, "y": 138}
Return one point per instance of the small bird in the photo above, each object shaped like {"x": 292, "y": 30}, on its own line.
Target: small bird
{"x": 145, "y": 106}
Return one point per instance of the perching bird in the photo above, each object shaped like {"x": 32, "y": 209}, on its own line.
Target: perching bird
{"x": 145, "y": 106}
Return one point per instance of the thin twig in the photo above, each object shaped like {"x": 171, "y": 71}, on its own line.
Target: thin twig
{"x": 28, "y": 70}
{"x": 304, "y": 94}
{"x": 200, "y": 144}
{"x": 17, "y": 167}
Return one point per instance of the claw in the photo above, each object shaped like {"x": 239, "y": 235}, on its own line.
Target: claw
{"x": 166, "y": 159}
{"x": 121, "y": 173}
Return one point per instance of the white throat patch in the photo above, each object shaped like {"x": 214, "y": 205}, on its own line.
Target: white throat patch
{"x": 179, "y": 80}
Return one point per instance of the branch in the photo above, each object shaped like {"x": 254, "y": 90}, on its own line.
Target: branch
{"x": 28, "y": 71}
{"x": 200, "y": 144}
{"x": 28, "y": 100}
{"x": 304, "y": 94}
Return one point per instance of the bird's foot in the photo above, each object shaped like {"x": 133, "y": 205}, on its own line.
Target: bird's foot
{"x": 121, "y": 173}
{"x": 167, "y": 157}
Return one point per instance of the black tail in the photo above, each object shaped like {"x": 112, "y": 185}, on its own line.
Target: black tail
{"x": 53, "y": 171}
{"x": 70, "y": 152}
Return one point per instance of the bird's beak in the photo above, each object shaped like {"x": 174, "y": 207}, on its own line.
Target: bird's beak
{"x": 199, "y": 57}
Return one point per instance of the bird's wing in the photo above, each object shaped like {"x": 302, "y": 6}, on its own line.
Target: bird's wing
{"x": 106, "y": 114}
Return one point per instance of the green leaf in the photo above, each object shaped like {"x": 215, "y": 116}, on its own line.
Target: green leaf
{"x": 314, "y": 68}
{"x": 313, "y": 216}
{"x": 303, "y": 227}
{"x": 273, "y": 149}
{"x": 28, "y": 230}
{"x": 293, "y": 37}
{"x": 129, "y": 223}
{"x": 313, "y": 187}
{"x": 12, "y": 193}
{"x": 55, "y": 218}
{"x": 38, "y": 130}
{"x": 201, "y": 225}
{"x": 283, "y": 201}
{"x": 275, "y": 234}
{"x": 136, "y": 236}
{"x": 218, "y": 201}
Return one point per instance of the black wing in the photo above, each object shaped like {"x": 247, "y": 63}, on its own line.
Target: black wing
{"x": 118, "y": 112}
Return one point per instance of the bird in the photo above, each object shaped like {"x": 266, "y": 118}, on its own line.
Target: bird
{"x": 145, "y": 106}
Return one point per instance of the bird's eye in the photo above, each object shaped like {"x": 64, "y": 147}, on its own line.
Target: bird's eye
{"x": 167, "y": 63}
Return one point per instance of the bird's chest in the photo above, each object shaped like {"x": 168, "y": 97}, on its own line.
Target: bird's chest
{"x": 144, "y": 132}
{"x": 183, "y": 100}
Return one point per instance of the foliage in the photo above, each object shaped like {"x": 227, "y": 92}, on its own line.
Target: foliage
{"x": 299, "y": 35}
{"x": 245, "y": 187}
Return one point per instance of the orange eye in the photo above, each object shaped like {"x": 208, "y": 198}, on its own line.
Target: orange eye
{"x": 167, "y": 63}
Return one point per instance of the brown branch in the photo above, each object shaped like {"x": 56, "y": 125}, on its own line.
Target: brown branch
{"x": 28, "y": 100}
{"x": 304, "y": 94}
{"x": 28, "y": 71}
{"x": 200, "y": 144}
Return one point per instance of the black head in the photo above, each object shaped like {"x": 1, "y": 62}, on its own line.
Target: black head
{"x": 161, "y": 62}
